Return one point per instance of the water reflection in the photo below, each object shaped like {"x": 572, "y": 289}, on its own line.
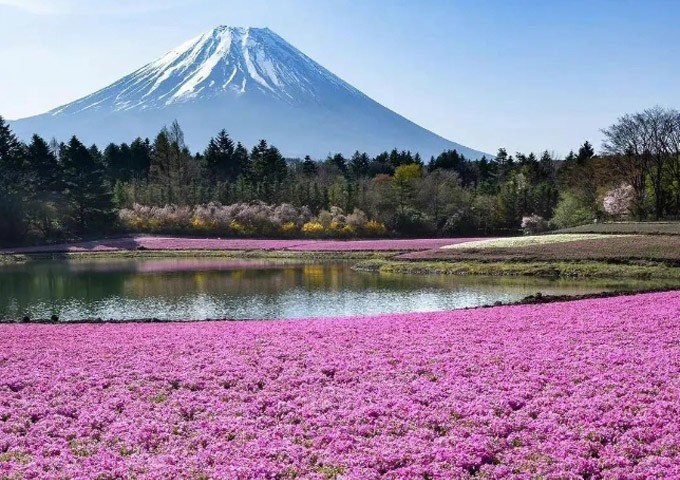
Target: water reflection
{"x": 247, "y": 289}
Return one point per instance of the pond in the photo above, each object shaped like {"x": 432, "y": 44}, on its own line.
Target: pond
{"x": 218, "y": 288}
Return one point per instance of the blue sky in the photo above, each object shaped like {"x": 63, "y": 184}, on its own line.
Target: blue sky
{"x": 527, "y": 75}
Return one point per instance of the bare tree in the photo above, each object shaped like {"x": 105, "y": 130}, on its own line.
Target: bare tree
{"x": 645, "y": 145}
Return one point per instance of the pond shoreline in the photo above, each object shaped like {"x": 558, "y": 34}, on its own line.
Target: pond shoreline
{"x": 389, "y": 261}
{"x": 535, "y": 299}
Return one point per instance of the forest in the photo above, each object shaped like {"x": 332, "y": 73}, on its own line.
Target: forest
{"x": 55, "y": 191}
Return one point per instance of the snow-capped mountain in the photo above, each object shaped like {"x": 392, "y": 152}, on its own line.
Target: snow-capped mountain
{"x": 250, "y": 82}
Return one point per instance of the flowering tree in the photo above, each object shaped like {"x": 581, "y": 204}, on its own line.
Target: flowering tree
{"x": 619, "y": 201}
{"x": 534, "y": 224}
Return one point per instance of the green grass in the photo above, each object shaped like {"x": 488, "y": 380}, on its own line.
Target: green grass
{"x": 538, "y": 269}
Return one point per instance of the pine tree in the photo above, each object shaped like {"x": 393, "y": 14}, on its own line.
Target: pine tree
{"x": 140, "y": 158}
{"x": 309, "y": 167}
{"x": 585, "y": 153}
{"x": 267, "y": 164}
{"x": 45, "y": 178}
{"x": 242, "y": 159}
{"x": 161, "y": 168}
{"x": 43, "y": 165}
{"x": 173, "y": 170}
{"x": 219, "y": 160}
{"x": 12, "y": 157}
{"x": 12, "y": 183}
{"x": 339, "y": 161}
{"x": 358, "y": 165}
{"x": 87, "y": 189}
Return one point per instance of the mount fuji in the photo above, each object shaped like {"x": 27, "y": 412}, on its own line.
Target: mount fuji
{"x": 252, "y": 83}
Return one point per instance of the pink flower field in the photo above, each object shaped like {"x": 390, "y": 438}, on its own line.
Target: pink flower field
{"x": 180, "y": 243}
{"x": 587, "y": 389}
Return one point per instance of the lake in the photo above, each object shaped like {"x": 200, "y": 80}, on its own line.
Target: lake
{"x": 217, "y": 288}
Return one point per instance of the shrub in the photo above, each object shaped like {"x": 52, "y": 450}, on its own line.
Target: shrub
{"x": 534, "y": 224}
{"x": 374, "y": 228}
{"x": 357, "y": 219}
{"x": 313, "y": 228}
{"x": 289, "y": 228}
{"x": 237, "y": 228}
{"x": 411, "y": 222}
{"x": 325, "y": 218}
{"x": 243, "y": 219}
{"x": 571, "y": 211}
{"x": 349, "y": 230}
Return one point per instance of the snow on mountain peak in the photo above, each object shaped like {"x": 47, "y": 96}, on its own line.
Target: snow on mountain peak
{"x": 224, "y": 60}
{"x": 252, "y": 83}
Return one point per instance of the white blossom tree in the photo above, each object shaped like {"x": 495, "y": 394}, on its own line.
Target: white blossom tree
{"x": 618, "y": 202}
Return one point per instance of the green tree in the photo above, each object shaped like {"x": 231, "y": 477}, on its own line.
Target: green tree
{"x": 267, "y": 164}
{"x": 571, "y": 211}
{"x": 309, "y": 167}
{"x": 405, "y": 184}
{"x": 359, "y": 165}
{"x": 219, "y": 161}
{"x": 87, "y": 189}
{"x": 45, "y": 177}
{"x": 12, "y": 182}
{"x": 173, "y": 170}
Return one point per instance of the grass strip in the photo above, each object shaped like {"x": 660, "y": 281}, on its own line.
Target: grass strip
{"x": 537, "y": 269}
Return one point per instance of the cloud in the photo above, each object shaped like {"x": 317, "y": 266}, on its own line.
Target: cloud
{"x": 89, "y": 7}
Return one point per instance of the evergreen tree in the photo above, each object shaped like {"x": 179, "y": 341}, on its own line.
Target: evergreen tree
{"x": 242, "y": 159}
{"x": 140, "y": 158}
{"x": 12, "y": 181}
{"x": 12, "y": 157}
{"x": 173, "y": 170}
{"x": 219, "y": 160}
{"x": 380, "y": 165}
{"x": 267, "y": 164}
{"x": 43, "y": 165}
{"x": 87, "y": 190}
{"x": 46, "y": 182}
{"x": 585, "y": 153}
{"x": 339, "y": 162}
{"x": 359, "y": 165}
{"x": 309, "y": 167}
{"x": 547, "y": 166}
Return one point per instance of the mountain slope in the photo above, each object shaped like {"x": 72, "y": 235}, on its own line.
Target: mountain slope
{"x": 249, "y": 81}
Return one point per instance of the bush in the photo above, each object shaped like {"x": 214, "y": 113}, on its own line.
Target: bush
{"x": 313, "y": 228}
{"x": 571, "y": 211}
{"x": 374, "y": 228}
{"x": 289, "y": 228}
{"x": 411, "y": 222}
{"x": 357, "y": 220}
{"x": 534, "y": 224}
{"x": 237, "y": 228}
{"x": 243, "y": 219}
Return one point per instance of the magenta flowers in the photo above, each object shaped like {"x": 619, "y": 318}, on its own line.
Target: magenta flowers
{"x": 181, "y": 243}
{"x": 587, "y": 389}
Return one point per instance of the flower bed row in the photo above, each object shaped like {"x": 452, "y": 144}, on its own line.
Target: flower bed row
{"x": 180, "y": 243}
{"x": 609, "y": 248}
{"x": 587, "y": 389}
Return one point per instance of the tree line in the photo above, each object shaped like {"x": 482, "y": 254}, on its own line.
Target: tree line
{"x": 51, "y": 191}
